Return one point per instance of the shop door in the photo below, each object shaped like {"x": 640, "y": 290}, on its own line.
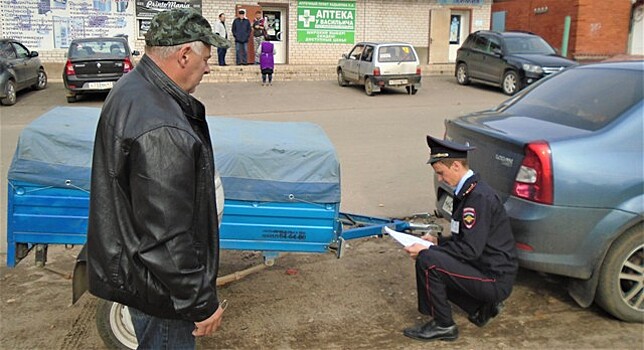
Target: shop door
{"x": 277, "y": 31}
{"x": 459, "y": 29}
{"x": 250, "y": 14}
{"x": 439, "y": 35}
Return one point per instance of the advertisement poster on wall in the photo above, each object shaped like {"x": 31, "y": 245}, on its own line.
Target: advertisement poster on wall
{"x": 53, "y": 24}
{"x": 146, "y": 9}
{"x": 326, "y": 22}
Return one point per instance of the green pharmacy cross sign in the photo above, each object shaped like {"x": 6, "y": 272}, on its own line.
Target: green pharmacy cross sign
{"x": 326, "y": 22}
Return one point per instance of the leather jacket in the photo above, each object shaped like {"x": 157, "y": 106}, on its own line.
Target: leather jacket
{"x": 153, "y": 239}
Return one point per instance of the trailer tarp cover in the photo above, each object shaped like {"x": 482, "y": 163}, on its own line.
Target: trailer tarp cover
{"x": 257, "y": 160}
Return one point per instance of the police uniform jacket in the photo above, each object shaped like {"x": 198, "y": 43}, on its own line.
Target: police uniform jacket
{"x": 481, "y": 233}
{"x": 153, "y": 240}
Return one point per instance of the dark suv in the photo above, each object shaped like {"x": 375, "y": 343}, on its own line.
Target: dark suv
{"x": 95, "y": 64}
{"x": 511, "y": 60}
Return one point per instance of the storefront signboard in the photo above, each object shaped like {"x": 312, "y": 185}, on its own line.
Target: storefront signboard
{"x": 149, "y": 8}
{"x": 326, "y": 22}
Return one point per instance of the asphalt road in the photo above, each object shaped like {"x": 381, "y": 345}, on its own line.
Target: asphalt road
{"x": 380, "y": 140}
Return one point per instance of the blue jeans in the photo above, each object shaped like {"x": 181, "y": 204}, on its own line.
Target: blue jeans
{"x": 241, "y": 54}
{"x": 221, "y": 56}
{"x": 160, "y": 333}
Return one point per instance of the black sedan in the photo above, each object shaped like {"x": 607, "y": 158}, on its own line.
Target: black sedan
{"x": 566, "y": 158}
{"x": 95, "y": 64}
{"x": 20, "y": 68}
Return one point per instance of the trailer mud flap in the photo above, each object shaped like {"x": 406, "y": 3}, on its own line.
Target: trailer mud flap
{"x": 80, "y": 283}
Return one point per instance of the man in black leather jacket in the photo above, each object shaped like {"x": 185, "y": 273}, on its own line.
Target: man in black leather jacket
{"x": 153, "y": 240}
{"x": 476, "y": 266}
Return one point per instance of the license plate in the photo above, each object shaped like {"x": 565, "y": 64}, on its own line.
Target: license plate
{"x": 100, "y": 85}
{"x": 397, "y": 81}
{"x": 448, "y": 205}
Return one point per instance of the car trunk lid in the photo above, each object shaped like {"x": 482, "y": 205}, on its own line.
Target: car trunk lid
{"x": 103, "y": 67}
{"x": 500, "y": 142}
{"x": 397, "y": 59}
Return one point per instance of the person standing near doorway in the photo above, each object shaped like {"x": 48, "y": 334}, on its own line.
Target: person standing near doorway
{"x": 259, "y": 34}
{"x": 241, "y": 32}
{"x": 220, "y": 29}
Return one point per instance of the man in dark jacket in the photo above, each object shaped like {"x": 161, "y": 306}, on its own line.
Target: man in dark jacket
{"x": 241, "y": 32}
{"x": 476, "y": 266}
{"x": 153, "y": 239}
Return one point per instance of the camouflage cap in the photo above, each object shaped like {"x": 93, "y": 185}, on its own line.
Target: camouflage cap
{"x": 180, "y": 26}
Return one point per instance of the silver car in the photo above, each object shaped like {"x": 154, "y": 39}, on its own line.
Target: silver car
{"x": 379, "y": 65}
{"x": 565, "y": 156}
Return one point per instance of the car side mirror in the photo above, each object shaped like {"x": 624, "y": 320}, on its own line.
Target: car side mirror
{"x": 33, "y": 54}
{"x": 135, "y": 53}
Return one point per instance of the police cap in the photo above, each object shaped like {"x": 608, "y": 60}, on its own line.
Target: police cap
{"x": 444, "y": 149}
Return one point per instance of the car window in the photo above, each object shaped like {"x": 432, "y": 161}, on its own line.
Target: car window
{"x": 21, "y": 50}
{"x": 588, "y": 98}
{"x": 6, "y": 51}
{"x": 528, "y": 45}
{"x": 495, "y": 44}
{"x": 367, "y": 54}
{"x": 469, "y": 40}
{"x": 356, "y": 52}
{"x": 480, "y": 43}
{"x": 396, "y": 53}
{"x": 102, "y": 48}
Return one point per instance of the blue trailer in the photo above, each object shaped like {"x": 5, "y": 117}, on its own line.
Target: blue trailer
{"x": 281, "y": 183}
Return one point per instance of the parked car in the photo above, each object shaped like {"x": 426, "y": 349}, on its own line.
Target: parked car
{"x": 511, "y": 60}
{"x": 379, "y": 65}
{"x": 20, "y": 68}
{"x": 95, "y": 64}
{"x": 566, "y": 157}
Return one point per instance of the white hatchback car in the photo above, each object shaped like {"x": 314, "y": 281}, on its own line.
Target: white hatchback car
{"x": 378, "y": 65}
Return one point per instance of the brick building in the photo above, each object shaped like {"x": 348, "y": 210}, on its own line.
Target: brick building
{"x": 435, "y": 27}
{"x": 599, "y": 28}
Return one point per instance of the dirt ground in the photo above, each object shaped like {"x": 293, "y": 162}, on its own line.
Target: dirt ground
{"x": 360, "y": 301}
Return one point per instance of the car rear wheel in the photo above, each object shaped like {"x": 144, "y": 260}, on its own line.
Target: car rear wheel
{"x": 341, "y": 80}
{"x": 621, "y": 279}
{"x": 10, "y": 92}
{"x": 42, "y": 80}
{"x": 462, "y": 76}
{"x": 368, "y": 86}
{"x": 114, "y": 325}
{"x": 511, "y": 83}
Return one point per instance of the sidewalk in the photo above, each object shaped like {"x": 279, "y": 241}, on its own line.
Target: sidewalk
{"x": 284, "y": 72}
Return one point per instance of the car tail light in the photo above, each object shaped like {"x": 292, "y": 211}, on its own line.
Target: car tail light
{"x": 534, "y": 180}
{"x": 127, "y": 65}
{"x": 69, "y": 68}
{"x": 418, "y": 70}
{"x": 524, "y": 247}
{"x": 376, "y": 71}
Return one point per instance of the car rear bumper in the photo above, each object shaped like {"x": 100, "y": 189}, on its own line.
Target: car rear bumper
{"x": 399, "y": 80}
{"x": 89, "y": 85}
{"x": 562, "y": 240}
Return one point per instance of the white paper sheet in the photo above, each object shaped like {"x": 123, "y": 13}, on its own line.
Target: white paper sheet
{"x": 405, "y": 239}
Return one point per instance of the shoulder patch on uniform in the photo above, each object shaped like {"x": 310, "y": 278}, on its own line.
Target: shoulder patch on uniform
{"x": 469, "y": 217}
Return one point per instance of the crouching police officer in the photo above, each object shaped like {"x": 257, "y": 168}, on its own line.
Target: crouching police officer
{"x": 475, "y": 268}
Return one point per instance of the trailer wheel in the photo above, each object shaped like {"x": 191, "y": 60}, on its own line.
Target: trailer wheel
{"x": 115, "y": 325}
